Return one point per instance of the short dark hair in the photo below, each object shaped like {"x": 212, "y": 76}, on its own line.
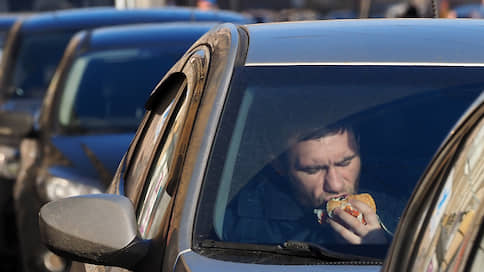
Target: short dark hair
{"x": 320, "y": 132}
{"x": 316, "y": 133}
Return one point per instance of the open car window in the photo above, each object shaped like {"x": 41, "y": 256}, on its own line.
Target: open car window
{"x": 398, "y": 115}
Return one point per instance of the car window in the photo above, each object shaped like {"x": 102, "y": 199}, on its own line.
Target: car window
{"x": 143, "y": 150}
{"x": 456, "y": 215}
{"x": 106, "y": 90}
{"x": 390, "y": 120}
{"x": 155, "y": 197}
{"x": 33, "y": 70}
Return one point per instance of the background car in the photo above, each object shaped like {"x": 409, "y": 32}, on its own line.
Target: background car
{"x": 226, "y": 112}
{"x": 442, "y": 228}
{"x": 6, "y": 22}
{"x": 35, "y": 48}
{"x": 88, "y": 118}
{"x": 7, "y": 244}
{"x": 469, "y": 11}
{"x": 32, "y": 52}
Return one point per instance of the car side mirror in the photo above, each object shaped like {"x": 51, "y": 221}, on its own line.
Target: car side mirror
{"x": 98, "y": 229}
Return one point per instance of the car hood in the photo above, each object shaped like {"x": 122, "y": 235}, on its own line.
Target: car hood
{"x": 93, "y": 157}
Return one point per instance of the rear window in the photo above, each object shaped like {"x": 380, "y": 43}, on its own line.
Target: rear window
{"x": 292, "y": 138}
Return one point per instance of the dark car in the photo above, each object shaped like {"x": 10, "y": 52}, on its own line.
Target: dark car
{"x": 7, "y": 244}
{"x": 258, "y": 127}
{"x": 442, "y": 228}
{"x": 469, "y": 11}
{"x": 6, "y": 22}
{"x": 34, "y": 49}
{"x": 88, "y": 118}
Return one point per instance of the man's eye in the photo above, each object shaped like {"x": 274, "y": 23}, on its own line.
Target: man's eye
{"x": 310, "y": 170}
{"x": 345, "y": 162}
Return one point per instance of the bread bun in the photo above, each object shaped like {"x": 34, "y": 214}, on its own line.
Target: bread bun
{"x": 343, "y": 203}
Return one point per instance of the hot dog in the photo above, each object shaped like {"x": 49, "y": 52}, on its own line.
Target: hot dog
{"x": 343, "y": 203}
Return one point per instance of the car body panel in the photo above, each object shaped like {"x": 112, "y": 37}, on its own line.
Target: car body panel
{"x": 126, "y": 36}
{"x": 94, "y": 17}
{"x": 107, "y": 148}
{"x": 7, "y": 21}
{"x": 196, "y": 262}
{"x": 398, "y": 42}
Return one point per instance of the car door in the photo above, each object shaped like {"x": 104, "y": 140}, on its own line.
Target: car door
{"x": 442, "y": 226}
{"x": 149, "y": 172}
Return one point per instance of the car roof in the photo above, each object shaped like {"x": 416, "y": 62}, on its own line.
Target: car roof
{"x": 144, "y": 34}
{"x": 366, "y": 42}
{"x": 92, "y": 17}
{"x": 8, "y": 19}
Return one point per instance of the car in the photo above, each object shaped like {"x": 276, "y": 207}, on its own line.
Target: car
{"x": 469, "y": 11}
{"x": 88, "y": 118}
{"x": 25, "y": 73}
{"x": 442, "y": 227}
{"x": 256, "y": 128}
{"x": 7, "y": 244}
{"x": 6, "y": 22}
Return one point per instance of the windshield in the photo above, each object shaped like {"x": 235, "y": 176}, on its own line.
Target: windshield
{"x": 106, "y": 90}
{"x": 293, "y": 138}
{"x": 37, "y": 59}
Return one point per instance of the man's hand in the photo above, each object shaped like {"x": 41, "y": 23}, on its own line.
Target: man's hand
{"x": 355, "y": 232}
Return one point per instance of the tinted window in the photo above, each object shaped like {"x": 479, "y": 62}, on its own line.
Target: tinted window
{"x": 37, "y": 59}
{"x": 107, "y": 90}
{"x": 275, "y": 162}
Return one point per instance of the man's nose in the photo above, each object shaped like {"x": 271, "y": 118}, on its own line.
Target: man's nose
{"x": 333, "y": 181}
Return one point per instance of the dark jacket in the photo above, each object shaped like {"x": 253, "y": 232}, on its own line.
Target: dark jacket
{"x": 266, "y": 211}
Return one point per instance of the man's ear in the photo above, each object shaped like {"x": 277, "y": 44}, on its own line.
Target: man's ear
{"x": 280, "y": 165}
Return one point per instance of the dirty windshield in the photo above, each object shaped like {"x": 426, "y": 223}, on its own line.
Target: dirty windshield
{"x": 326, "y": 155}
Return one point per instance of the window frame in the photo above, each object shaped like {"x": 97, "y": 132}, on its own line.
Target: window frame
{"x": 195, "y": 71}
{"x": 176, "y": 84}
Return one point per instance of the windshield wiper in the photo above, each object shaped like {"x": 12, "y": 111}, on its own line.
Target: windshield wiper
{"x": 323, "y": 252}
{"x": 291, "y": 248}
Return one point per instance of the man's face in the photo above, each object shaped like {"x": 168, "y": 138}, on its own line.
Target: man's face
{"x": 324, "y": 168}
